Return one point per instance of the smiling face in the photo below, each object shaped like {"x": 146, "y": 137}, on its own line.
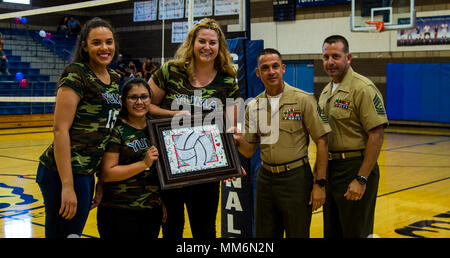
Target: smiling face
{"x": 270, "y": 70}
{"x": 206, "y": 46}
{"x": 138, "y": 101}
{"x": 100, "y": 46}
{"x": 335, "y": 61}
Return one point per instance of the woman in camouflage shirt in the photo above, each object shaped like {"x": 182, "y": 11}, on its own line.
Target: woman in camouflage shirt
{"x": 87, "y": 103}
{"x": 200, "y": 78}
{"x": 131, "y": 204}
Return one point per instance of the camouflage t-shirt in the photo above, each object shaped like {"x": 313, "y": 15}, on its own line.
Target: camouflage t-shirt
{"x": 142, "y": 190}
{"x": 179, "y": 91}
{"x": 95, "y": 116}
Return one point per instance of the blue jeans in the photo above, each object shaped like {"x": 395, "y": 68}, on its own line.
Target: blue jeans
{"x": 50, "y": 185}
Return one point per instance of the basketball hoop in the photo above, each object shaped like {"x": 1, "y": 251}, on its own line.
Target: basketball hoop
{"x": 379, "y": 25}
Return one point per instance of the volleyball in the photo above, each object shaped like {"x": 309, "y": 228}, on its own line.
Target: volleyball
{"x": 194, "y": 148}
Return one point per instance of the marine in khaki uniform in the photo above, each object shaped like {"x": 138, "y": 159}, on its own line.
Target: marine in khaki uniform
{"x": 356, "y": 114}
{"x": 282, "y": 119}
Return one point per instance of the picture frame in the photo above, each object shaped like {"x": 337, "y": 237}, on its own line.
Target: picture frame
{"x": 193, "y": 152}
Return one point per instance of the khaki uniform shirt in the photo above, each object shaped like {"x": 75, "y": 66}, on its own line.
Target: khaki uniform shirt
{"x": 284, "y": 135}
{"x": 355, "y": 107}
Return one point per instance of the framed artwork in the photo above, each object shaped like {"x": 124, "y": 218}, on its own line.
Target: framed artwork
{"x": 193, "y": 153}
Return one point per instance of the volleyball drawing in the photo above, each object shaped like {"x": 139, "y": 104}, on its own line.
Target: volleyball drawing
{"x": 194, "y": 149}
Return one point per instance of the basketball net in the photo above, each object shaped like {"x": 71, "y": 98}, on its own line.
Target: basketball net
{"x": 379, "y": 25}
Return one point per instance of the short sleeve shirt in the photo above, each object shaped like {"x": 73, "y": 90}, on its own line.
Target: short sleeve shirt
{"x": 94, "y": 118}
{"x": 73, "y": 24}
{"x": 141, "y": 191}
{"x": 284, "y": 135}
{"x": 179, "y": 91}
{"x": 354, "y": 108}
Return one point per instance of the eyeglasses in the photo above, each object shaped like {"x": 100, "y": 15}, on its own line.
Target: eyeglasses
{"x": 135, "y": 98}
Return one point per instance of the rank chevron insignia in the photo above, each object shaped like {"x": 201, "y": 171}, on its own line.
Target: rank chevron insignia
{"x": 378, "y": 103}
{"x": 322, "y": 115}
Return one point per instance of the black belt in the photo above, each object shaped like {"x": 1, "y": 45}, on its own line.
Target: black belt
{"x": 279, "y": 168}
{"x": 345, "y": 154}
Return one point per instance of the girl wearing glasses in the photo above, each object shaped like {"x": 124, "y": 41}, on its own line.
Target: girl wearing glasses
{"x": 131, "y": 204}
{"x": 202, "y": 68}
{"x": 87, "y": 103}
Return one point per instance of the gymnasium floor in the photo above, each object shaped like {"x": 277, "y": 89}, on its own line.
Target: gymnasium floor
{"x": 413, "y": 196}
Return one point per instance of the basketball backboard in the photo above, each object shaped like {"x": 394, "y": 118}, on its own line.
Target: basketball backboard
{"x": 395, "y": 14}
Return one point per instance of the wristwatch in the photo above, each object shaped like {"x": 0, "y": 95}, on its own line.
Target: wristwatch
{"x": 321, "y": 182}
{"x": 361, "y": 179}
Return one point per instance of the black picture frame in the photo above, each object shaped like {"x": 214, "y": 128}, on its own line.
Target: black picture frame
{"x": 182, "y": 166}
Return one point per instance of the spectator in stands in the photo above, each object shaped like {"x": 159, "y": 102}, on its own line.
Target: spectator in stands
{"x": 121, "y": 67}
{"x": 73, "y": 25}
{"x": 62, "y": 26}
{"x": 3, "y": 58}
{"x": 87, "y": 104}
{"x": 148, "y": 68}
{"x": 132, "y": 71}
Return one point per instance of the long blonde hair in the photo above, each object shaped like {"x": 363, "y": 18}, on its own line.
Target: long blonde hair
{"x": 184, "y": 56}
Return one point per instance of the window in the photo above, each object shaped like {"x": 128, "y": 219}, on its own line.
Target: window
{"x": 17, "y": 1}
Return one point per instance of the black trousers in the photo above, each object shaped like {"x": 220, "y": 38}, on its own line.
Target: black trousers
{"x": 344, "y": 218}
{"x": 201, "y": 203}
{"x": 282, "y": 203}
{"x": 117, "y": 223}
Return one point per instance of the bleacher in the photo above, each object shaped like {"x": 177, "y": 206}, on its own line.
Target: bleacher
{"x": 59, "y": 43}
{"x": 40, "y": 61}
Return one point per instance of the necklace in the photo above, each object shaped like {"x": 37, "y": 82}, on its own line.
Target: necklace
{"x": 102, "y": 75}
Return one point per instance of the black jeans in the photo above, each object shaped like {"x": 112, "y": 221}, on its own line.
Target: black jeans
{"x": 113, "y": 223}
{"x": 201, "y": 204}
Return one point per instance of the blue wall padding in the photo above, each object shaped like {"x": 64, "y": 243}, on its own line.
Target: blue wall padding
{"x": 418, "y": 92}
{"x": 300, "y": 75}
{"x": 444, "y": 89}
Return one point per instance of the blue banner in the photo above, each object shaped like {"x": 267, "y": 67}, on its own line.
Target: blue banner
{"x": 428, "y": 31}
{"x": 237, "y": 196}
{"x": 301, "y": 3}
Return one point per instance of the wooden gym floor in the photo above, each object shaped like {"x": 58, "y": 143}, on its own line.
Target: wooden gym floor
{"x": 413, "y": 196}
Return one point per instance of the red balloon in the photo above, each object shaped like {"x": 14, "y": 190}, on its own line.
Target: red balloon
{"x": 48, "y": 35}
{"x": 17, "y": 20}
{"x": 23, "y": 83}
